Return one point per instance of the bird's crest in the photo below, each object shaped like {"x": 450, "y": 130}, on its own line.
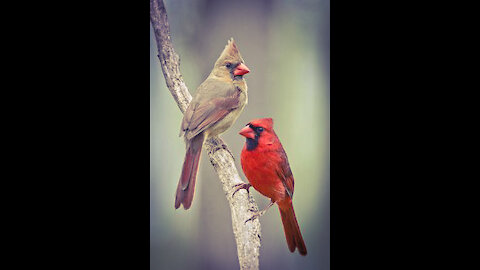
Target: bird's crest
{"x": 231, "y": 52}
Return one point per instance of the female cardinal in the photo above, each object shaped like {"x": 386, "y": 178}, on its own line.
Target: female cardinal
{"x": 265, "y": 164}
{"x": 218, "y": 102}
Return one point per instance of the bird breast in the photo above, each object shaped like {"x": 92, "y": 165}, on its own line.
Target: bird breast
{"x": 260, "y": 169}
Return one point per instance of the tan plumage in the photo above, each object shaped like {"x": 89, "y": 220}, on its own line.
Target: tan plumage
{"x": 217, "y": 103}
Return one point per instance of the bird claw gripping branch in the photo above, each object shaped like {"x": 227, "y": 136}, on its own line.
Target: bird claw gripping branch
{"x": 242, "y": 186}
{"x": 260, "y": 213}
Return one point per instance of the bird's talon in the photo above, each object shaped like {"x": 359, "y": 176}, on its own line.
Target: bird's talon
{"x": 241, "y": 186}
{"x": 255, "y": 216}
{"x": 224, "y": 146}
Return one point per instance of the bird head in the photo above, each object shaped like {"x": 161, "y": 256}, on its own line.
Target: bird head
{"x": 259, "y": 132}
{"x": 231, "y": 62}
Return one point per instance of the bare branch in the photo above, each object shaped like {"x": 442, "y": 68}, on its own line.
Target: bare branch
{"x": 247, "y": 235}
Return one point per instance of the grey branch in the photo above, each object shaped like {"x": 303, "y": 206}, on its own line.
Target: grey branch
{"x": 247, "y": 235}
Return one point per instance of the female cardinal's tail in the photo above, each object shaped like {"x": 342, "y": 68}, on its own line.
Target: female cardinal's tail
{"x": 290, "y": 226}
{"x": 186, "y": 184}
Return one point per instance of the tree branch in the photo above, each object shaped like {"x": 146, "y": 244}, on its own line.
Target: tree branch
{"x": 247, "y": 235}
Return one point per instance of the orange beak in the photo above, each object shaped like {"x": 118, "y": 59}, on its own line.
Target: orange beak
{"x": 247, "y": 132}
{"x": 241, "y": 69}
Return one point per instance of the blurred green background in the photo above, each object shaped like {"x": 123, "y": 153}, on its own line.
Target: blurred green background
{"x": 286, "y": 45}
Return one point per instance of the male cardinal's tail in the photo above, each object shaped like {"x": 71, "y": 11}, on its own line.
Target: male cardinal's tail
{"x": 290, "y": 226}
{"x": 186, "y": 184}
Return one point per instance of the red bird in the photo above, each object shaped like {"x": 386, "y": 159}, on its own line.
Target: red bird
{"x": 265, "y": 164}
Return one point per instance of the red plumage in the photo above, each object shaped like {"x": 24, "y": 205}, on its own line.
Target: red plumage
{"x": 266, "y": 167}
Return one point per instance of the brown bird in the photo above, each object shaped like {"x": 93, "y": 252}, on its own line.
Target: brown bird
{"x": 218, "y": 102}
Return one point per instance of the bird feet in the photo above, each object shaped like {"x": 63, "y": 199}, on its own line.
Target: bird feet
{"x": 242, "y": 186}
{"x": 259, "y": 213}
{"x": 256, "y": 215}
{"x": 224, "y": 146}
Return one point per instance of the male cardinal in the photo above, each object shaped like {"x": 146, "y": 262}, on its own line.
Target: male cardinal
{"x": 218, "y": 102}
{"x": 265, "y": 164}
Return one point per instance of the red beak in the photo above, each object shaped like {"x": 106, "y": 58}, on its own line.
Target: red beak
{"x": 241, "y": 69}
{"x": 247, "y": 132}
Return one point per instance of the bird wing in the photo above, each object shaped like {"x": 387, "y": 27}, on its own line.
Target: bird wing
{"x": 284, "y": 172}
{"x": 214, "y": 100}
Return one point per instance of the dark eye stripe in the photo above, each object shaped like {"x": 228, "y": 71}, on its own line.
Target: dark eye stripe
{"x": 256, "y": 129}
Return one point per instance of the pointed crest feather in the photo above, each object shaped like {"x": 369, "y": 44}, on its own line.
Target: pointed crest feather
{"x": 231, "y": 43}
{"x": 230, "y": 52}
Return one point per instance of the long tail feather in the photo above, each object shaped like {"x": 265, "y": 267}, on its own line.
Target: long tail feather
{"x": 186, "y": 184}
{"x": 291, "y": 228}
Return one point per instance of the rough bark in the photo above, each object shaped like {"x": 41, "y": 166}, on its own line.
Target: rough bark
{"x": 247, "y": 235}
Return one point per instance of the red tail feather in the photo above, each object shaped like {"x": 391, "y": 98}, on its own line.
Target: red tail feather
{"x": 186, "y": 184}
{"x": 291, "y": 228}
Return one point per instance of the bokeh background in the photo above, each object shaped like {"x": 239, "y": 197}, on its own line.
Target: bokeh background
{"x": 286, "y": 45}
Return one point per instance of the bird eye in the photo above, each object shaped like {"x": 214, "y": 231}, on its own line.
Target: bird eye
{"x": 228, "y": 65}
{"x": 260, "y": 129}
